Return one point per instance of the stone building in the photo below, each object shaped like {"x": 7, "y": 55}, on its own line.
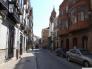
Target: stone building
{"x": 45, "y": 34}
{"x": 74, "y": 24}
{"x": 51, "y": 29}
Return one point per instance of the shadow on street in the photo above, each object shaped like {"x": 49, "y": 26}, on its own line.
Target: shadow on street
{"x": 26, "y": 62}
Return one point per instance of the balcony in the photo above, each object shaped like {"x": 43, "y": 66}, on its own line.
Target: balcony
{"x": 29, "y": 31}
{"x": 63, "y": 31}
{"x": 64, "y": 17}
{"x": 3, "y": 4}
{"x": 12, "y": 2}
{"x": 78, "y": 3}
{"x": 14, "y": 16}
{"x": 20, "y": 11}
{"x": 25, "y": 28}
{"x": 26, "y": 32}
{"x": 79, "y": 26}
{"x": 22, "y": 27}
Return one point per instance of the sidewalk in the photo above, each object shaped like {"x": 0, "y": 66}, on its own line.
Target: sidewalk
{"x": 9, "y": 64}
{"x": 13, "y": 63}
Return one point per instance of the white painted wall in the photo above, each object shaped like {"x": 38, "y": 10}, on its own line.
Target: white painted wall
{"x": 3, "y": 36}
{"x": 17, "y": 38}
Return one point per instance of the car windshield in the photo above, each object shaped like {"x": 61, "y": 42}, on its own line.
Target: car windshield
{"x": 85, "y": 52}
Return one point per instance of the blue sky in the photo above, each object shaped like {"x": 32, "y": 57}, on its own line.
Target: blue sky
{"x": 41, "y": 13}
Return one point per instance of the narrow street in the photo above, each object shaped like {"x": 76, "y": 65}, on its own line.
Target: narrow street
{"x": 43, "y": 59}
{"x": 34, "y": 34}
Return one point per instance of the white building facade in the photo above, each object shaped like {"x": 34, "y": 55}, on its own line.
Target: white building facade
{"x": 14, "y": 27}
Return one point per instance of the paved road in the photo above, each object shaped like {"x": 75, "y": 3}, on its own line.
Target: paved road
{"x": 43, "y": 59}
{"x": 46, "y": 60}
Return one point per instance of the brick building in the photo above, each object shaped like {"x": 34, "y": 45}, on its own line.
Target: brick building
{"x": 74, "y": 24}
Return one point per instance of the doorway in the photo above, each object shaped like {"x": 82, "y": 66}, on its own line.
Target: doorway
{"x": 11, "y": 42}
{"x": 67, "y": 44}
{"x": 84, "y": 42}
{"x": 74, "y": 42}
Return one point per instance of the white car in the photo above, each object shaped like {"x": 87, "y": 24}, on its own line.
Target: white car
{"x": 81, "y": 56}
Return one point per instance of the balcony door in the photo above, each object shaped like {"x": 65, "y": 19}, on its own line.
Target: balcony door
{"x": 11, "y": 42}
{"x": 21, "y": 44}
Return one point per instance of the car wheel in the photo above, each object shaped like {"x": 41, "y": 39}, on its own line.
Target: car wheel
{"x": 68, "y": 58}
{"x": 86, "y": 64}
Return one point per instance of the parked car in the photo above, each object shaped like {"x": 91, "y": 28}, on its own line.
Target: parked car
{"x": 81, "y": 56}
{"x": 60, "y": 52}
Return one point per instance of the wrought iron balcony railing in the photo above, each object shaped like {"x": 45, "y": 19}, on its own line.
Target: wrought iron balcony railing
{"x": 3, "y": 4}
{"x": 14, "y": 16}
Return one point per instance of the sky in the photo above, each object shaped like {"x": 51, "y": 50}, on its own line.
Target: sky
{"x": 41, "y": 13}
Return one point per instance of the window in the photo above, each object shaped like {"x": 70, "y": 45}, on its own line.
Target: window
{"x": 82, "y": 16}
{"x": 82, "y": 13}
{"x": 63, "y": 24}
{"x": 66, "y": 9}
{"x": 72, "y": 15}
{"x": 11, "y": 6}
{"x": 86, "y": 15}
{"x": 66, "y": 22}
{"x": 75, "y": 19}
{"x": 78, "y": 16}
{"x": 74, "y": 1}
